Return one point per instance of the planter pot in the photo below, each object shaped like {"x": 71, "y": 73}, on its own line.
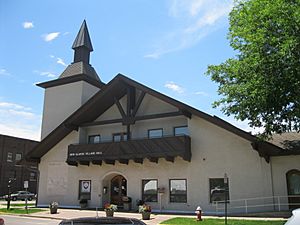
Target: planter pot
{"x": 146, "y": 215}
{"x": 109, "y": 213}
{"x": 53, "y": 210}
{"x": 127, "y": 206}
{"x": 83, "y": 205}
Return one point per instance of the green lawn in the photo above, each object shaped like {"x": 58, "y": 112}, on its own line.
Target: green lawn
{"x": 19, "y": 210}
{"x": 189, "y": 221}
{"x": 20, "y": 204}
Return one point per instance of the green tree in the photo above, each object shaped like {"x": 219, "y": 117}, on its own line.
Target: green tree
{"x": 262, "y": 82}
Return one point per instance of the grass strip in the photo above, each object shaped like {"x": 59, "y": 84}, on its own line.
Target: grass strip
{"x": 20, "y": 211}
{"x": 190, "y": 221}
{"x": 20, "y": 204}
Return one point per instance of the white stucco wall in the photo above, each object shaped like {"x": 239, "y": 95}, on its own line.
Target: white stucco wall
{"x": 61, "y": 101}
{"x": 214, "y": 152}
{"x": 280, "y": 166}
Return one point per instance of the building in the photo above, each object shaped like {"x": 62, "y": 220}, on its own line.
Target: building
{"x": 12, "y": 150}
{"x": 102, "y": 142}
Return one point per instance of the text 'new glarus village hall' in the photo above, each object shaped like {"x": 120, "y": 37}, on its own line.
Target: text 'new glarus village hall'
{"x": 105, "y": 142}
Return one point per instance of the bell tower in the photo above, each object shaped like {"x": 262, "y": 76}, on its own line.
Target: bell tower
{"x": 78, "y": 83}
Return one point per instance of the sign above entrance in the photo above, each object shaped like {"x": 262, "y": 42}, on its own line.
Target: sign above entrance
{"x": 85, "y": 153}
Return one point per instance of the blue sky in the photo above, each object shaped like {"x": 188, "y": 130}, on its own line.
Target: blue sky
{"x": 164, "y": 44}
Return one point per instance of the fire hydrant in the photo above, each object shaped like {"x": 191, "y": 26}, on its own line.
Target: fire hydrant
{"x": 199, "y": 213}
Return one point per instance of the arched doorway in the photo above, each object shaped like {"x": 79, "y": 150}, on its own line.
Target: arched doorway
{"x": 293, "y": 187}
{"x": 118, "y": 189}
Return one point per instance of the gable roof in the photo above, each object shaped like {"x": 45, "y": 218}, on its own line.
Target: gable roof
{"x": 117, "y": 88}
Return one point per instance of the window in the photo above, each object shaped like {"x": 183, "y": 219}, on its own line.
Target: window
{"x": 217, "y": 190}
{"x": 293, "y": 180}
{"x": 178, "y": 191}
{"x": 18, "y": 156}
{"x": 181, "y": 131}
{"x": 32, "y": 176}
{"x": 149, "y": 190}
{"x": 93, "y": 139}
{"x": 9, "y": 157}
{"x": 119, "y": 137}
{"x": 155, "y": 133}
{"x": 12, "y": 174}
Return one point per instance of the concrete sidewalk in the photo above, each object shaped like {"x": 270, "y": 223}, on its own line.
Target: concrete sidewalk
{"x": 75, "y": 213}
{"x": 155, "y": 218}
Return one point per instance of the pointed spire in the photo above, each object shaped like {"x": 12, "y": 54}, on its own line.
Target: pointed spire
{"x": 82, "y": 45}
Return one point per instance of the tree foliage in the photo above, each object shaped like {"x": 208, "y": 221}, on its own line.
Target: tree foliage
{"x": 262, "y": 82}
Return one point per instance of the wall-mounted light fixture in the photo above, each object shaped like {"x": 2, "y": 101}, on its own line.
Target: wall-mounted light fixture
{"x": 104, "y": 190}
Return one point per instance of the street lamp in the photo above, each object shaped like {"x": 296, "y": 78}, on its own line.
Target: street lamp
{"x": 8, "y": 197}
{"x": 225, "y": 184}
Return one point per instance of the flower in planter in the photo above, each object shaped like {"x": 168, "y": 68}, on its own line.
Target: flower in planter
{"x": 110, "y": 207}
{"x": 144, "y": 208}
{"x": 53, "y": 205}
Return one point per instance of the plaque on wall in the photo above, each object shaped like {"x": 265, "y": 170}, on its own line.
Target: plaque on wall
{"x": 85, "y": 186}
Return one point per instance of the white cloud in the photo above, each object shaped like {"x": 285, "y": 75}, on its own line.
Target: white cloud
{"x": 60, "y": 61}
{"x": 197, "y": 19}
{"x": 154, "y": 55}
{"x": 45, "y": 73}
{"x": 9, "y": 105}
{"x": 18, "y": 120}
{"x": 244, "y": 125}
{"x": 174, "y": 87}
{"x": 4, "y": 72}
{"x": 201, "y": 93}
{"x": 48, "y": 74}
{"x": 195, "y": 7}
{"x": 50, "y": 36}
{"x": 28, "y": 25}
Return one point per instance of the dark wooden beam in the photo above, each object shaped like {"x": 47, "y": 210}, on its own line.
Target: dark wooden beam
{"x": 72, "y": 163}
{"x": 138, "y": 160}
{"x": 109, "y": 161}
{"x": 103, "y": 122}
{"x": 137, "y": 106}
{"x": 157, "y": 116}
{"x": 132, "y": 97}
{"x": 130, "y": 100}
{"x": 128, "y": 132}
{"x": 123, "y": 161}
{"x": 153, "y": 159}
{"x": 97, "y": 162}
{"x": 170, "y": 158}
{"x": 186, "y": 113}
{"x": 85, "y": 163}
{"x": 121, "y": 110}
{"x": 71, "y": 126}
{"x": 131, "y": 120}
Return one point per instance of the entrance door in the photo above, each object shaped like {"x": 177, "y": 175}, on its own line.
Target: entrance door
{"x": 118, "y": 190}
{"x": 293, "y": 186}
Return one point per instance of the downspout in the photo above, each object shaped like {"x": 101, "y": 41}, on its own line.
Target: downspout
{"x": 272, "y": 183}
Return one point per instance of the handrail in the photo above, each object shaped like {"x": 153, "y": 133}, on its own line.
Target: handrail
{"x": 278, "y": 203}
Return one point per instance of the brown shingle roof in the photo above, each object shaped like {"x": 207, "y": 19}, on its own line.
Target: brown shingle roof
{"x": 287, "y": 141}
{"x": 115, "y": 89}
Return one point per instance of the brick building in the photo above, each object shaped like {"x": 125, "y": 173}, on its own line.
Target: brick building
{"x": 13, "y": 149}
